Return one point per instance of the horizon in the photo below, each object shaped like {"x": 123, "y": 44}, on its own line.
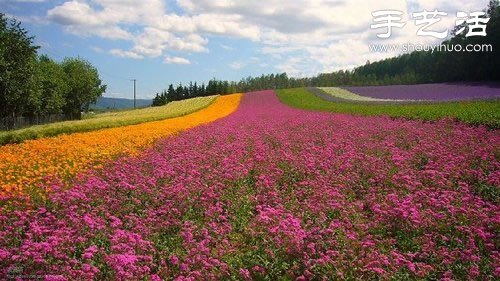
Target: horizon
{"x": 172, "y": 42}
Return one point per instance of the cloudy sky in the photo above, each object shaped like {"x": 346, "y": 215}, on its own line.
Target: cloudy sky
{"x": 159, "y": 42}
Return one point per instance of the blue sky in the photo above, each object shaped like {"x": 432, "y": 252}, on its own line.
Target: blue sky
{"x": 159, "y": 42}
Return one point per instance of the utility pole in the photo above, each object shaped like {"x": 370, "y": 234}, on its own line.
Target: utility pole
{"x": 134, "y": 91}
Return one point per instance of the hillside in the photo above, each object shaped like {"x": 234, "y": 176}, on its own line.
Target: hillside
{"x": 119, "y": 103}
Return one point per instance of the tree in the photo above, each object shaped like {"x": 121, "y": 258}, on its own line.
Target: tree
{"x": 161, "y": 98}
{"x": 203, "y": 90}
{"x": 195, "y": 90}
{"x": 17, "y": 69}
{"x": 211, "y": 87}
{"x": 179, "y": 92}
{"x": 84, "y": 86}
{"x": 170, "y": 93}
{"x": 190, "y": 92}
{"x": 157, "y": 100}
{"x": 52, "y": 82}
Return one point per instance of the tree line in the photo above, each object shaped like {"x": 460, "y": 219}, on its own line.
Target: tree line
{"x": 414, "y": 68}
{"x": 223, "y": 87}
{"x": 214, "y": 87}
{"x": 36, "y": 85}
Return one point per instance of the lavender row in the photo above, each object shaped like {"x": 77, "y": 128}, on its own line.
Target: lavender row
{"x": 437, "y": 92}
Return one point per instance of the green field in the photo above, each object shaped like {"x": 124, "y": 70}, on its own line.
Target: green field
{"x": 108, "y": 120}
{"x": 472, "y": 112}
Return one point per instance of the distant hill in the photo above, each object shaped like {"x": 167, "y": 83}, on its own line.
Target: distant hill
{"x": 119, "y": 103}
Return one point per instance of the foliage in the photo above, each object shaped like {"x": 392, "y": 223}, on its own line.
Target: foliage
{"x": 214, "y": 87}
{"x": 38, "y": 86}
{"x": 472, "y": 112}
{"x": 18, "y": 91}
{"x": 84, "y": 85}
{"x": 53, "y": 85}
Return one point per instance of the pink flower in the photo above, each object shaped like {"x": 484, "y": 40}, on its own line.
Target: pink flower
{"x": 245, "y": 274}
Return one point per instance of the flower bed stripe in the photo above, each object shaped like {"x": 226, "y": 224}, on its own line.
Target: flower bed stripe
{"x": 435, "y": 92}
{"x": 347, "y": 96}
{"x": 24, "y": 166}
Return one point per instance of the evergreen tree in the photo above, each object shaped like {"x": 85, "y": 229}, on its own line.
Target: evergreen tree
{"x": 179, "y": 92}
{"x": 171, "y": 93}
{"x": 157, "y": 100}
{"x": 203, "y": 90}
{"x": 195, "y": 90}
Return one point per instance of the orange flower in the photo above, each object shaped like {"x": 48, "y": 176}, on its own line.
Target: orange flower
{"x": 24, "y": 165}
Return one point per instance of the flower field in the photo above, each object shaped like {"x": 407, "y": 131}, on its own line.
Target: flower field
{"x": 477, "y": 112}
{"x": 24, "y": 167}
{"x": 271, "y": 192}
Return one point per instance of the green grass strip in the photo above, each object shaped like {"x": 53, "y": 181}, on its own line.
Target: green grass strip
{"x": 108, "y": 120}
{"x": 472, "y": 112}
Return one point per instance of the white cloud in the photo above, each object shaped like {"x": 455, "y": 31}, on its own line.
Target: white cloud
{"x": 104, "y": 12}
{"x": 176, "y": 60}
{"x": 72, "y": 13}
{"x": 125, "y": 54}
{"x": 153, "y": 42}
{"x": 108, "y": 32}
{"x": 79, "y": 18}
{"x": 300, "y": 36}
{"x": 220, "y": 24}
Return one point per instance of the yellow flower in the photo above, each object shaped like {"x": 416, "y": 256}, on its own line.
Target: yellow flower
{"x": 26, "y": 164}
